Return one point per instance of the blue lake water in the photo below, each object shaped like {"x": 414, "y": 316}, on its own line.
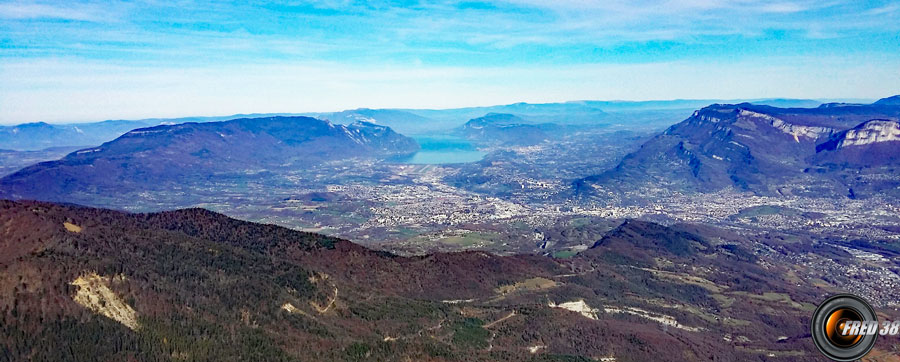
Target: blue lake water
{"x": 437, "y": 150}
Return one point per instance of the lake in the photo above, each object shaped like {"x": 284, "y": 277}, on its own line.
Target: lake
{"x": 437, "y": 150}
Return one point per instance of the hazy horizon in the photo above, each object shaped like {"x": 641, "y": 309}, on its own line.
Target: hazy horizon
{"x": 64, "y": 62}
{"x": 303, "y": 112}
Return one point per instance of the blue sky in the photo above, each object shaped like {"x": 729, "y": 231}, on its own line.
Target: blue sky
{"x": 85, "y": 60}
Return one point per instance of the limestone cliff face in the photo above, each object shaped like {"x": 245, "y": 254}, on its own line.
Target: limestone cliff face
{"x": 761, "y": 149}
{"x": 874, "y": 131}
{"x": 871, "y": 144}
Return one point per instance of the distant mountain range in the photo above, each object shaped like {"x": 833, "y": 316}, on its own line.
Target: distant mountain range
{"x": 889, "y": 101}
{"x": 506, "y": 129}
{"x": 586, "y": 111}
{"x": 767, "y": 150}
{"x": 40, "y": 135}
{"x": 834, "y": 149}
{"x": 148, "y": 157}
{"x": 399, "y": 120}
{"x": 423, "y": 121}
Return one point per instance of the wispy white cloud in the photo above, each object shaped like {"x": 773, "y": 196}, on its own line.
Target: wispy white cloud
{"x": 94, "y": 12}
{"x": 374, "y": 26}
{"x": 886, "y": 9}
{"x": 783, "y": 8}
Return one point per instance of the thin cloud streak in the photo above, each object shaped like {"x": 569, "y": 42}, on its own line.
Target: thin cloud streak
{"x": 91, "y": 12}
